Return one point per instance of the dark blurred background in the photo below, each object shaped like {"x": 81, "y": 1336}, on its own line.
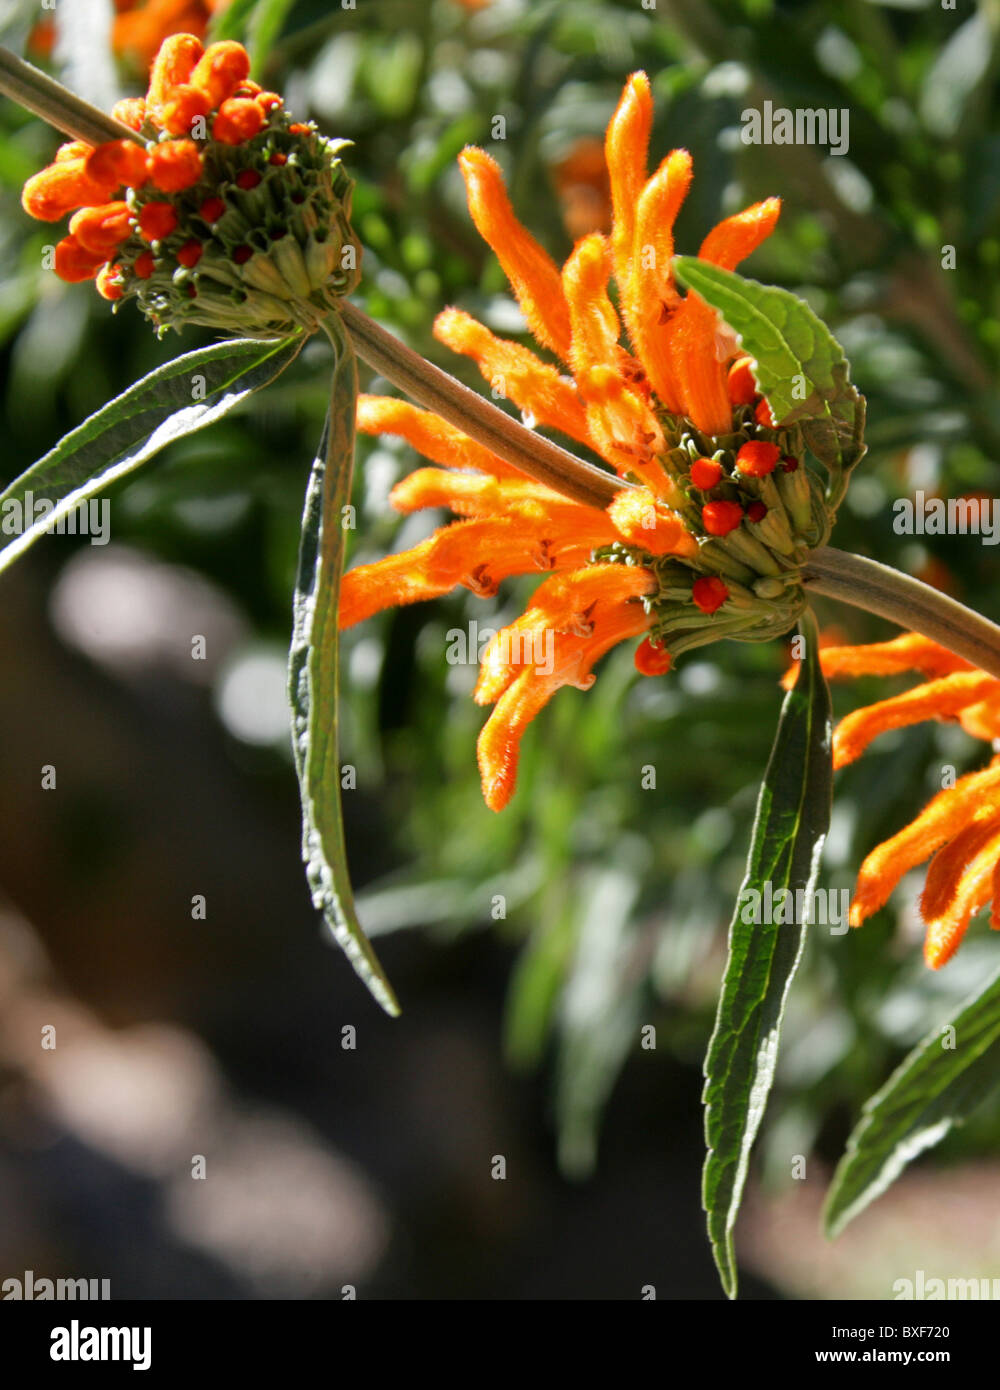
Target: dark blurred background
{"x": 371, "y": 1166}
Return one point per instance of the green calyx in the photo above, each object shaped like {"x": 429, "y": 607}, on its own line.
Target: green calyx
{"x": 746, "y": 583}
{"x": 269, "y": 225}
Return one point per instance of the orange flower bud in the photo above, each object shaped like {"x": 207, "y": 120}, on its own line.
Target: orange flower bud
{"x": 118, "y": 162}
{"x": 705, "y": 473}
{"x": 73, "y": 149}
{"x": 709, "y": 593}
{"x": 651, "y": 659}
{"x": 268, "y": 102}
{"x": 719, "y": 518}
{"x": 239, "y": 119}
{"x": 157, "y": 220}
{"x": 100, "y": 230}
{"x": 174, "y": 165}
{"x": 183, "y": 107}
{"x": 73, "y": 262}
{"x": 109, "y": 282}
{"x": 131, "y": 112}
{"x": 145, "y": 264}
{"x": 763, "y": 415}
{"x": 740, "y": 384}
{"x": 220, "y": 70}
{"x": 172, "y": 67}
{"x": 756, "y": 458}
{"x": 60, "y": 188}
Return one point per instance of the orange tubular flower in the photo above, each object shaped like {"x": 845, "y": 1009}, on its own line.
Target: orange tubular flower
{"x": 224, "y": 212}
{"x": 653, "y": 409}
{"x": 959, "y": 829}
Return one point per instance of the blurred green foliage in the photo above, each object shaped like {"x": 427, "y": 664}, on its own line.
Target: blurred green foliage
{"x": 617, "y": 897}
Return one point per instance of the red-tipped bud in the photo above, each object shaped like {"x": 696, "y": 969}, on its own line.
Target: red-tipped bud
{"x": 757, "y": 458}
{"x": 763, "y": 415}
{"x": 247, "y": 179}
{"x": 705, "y": 473}
{"x": 651, "y": 659}
{"x": 212, "y": 209}
{"x": 756, "y": 511}
{"x": 709, "y": 593}
{"x": 144, "y": 264}
{"x": 719, "y": 518}
{"x": 157, "y": 220}
{"x": 788, "y": 464}
{"x": 190, "y": 254}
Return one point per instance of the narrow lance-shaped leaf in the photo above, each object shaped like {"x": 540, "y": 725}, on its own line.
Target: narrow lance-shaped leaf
{"x": 182, "y": 396}
{"x": 799, "y": 366}
{"x": 947, "y": 1075}
{"x": 793, "y": 816}
{"x": 313, "y": 676}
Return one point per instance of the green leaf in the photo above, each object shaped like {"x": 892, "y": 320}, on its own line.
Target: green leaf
{"x": 946, "y": 1076}
{"x": 313, "y": 675}
{"x": 793, "y": 815}
{"x": 185, "y": 395}
{"x": 798, "y": 364}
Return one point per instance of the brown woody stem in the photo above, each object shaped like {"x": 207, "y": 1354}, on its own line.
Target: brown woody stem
{"x": 477, "y": 417}
{"x": 56, "y": 104}
{"x": 915, "y": 606}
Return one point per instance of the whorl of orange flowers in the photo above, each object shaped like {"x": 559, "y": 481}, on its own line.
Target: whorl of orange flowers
{"x": 708, "y": 545}
{"x": 959, "y": 829}
{"x": 226, "y": 212}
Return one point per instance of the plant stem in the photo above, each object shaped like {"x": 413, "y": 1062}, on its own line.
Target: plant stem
{"x": 56, "y": 104}
{"x": 915, "y": 606}
{"x": 477, "y": 417}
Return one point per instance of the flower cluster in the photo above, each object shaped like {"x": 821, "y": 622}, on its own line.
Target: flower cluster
{"x": 709, "y": 539}
{"x": 224, "y": 211}
{"x": 959, "y": 829}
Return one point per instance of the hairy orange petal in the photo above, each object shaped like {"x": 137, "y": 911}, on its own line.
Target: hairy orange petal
{"x": 972, "y": 891}
{"x": 534, "y": 386}
{"x": 940, "y": 820}
{"x": 533, "y": 275}
{"x": 937, "y": 699}
{"x": 644, "y": 521}
{"x": 945, "y": 870}
{"x": 625, "y": 146}
{"x": 649, "y": 297}
{"x": 499, "y": 743}
{"x": 622, "y": 427}
{"x": 983, "y": 720}
{"x": 911, "y": 652}
{"x": 470, "y": 494}
{"x": 698, "y": 364}
{"x": 563, "y": 604}
{"x": 429, "y": 435}
{"x": 736, "y": 237}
